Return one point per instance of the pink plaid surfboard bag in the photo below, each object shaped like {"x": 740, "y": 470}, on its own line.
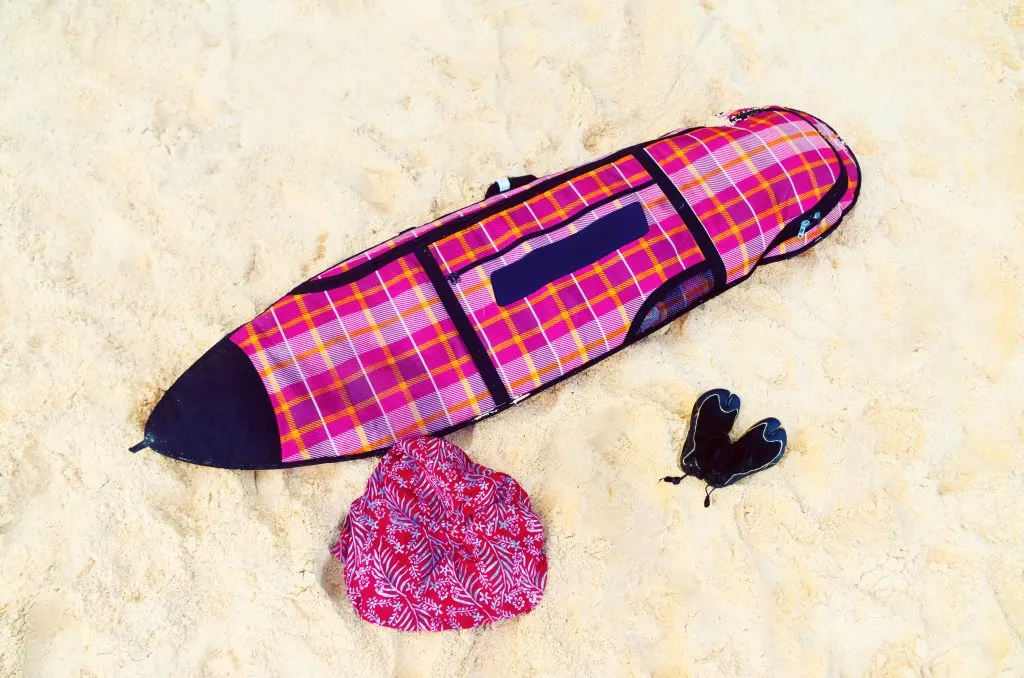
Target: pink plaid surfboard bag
{"x": 438, "y": 542}
{"x": 461, "y": 318}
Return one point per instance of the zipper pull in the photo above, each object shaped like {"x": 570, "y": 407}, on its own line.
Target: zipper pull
{"x": 807, "y": 223}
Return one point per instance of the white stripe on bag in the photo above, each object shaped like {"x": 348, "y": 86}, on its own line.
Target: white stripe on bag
{"x": 416, "y": 348}
{"x": 359, "y": 361}
{"x": 303, "y": 379}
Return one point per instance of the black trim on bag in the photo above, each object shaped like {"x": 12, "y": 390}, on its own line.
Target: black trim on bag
{"x": 399, "y": 251}
{"x": 825, "y": 205}
{"x": 686, "y": 213}
{"x": 546, "y": 264}
{"x": 635, "y": 332}
{"x": 513, "y": 183}
{"x": 454, "y": 276}
{"x": 484, "y": 364}
{"x": 856, "y": 191}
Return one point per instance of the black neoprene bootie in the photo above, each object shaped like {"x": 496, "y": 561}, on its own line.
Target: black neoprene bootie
{"x": 710, "y": 423}
{"x": 761, "y": 447}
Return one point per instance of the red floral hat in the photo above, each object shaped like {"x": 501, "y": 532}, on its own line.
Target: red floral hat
{"x": 439, "y": 542}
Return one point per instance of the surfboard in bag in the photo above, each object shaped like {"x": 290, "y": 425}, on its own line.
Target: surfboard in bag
{"x": 456, "y": 320}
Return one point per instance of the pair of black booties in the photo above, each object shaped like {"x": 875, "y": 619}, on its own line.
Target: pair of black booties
{"x": 711, "y": 455}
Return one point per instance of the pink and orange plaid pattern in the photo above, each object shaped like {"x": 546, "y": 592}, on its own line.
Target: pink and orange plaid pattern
{"x": 577, "y": 319}
{"x": 549, "y": 209}
{"x": 813, "y": 234}
{"x": 678, "y": 299}
{"x": 377, "y": 356}
{"x": 357, "y": 367}
{"x": 746, "y": 181}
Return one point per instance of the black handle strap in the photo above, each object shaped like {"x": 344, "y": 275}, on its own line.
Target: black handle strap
{"x": 507, "y": 184}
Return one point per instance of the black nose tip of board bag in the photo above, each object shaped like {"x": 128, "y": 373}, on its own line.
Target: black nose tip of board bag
{"x": 216, "y": 414}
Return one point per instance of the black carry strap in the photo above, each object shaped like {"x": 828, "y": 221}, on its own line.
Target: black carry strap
{"x": 477, "y": 351}
{"x": 686, "y": 213}
{"x": 507, "y": 184}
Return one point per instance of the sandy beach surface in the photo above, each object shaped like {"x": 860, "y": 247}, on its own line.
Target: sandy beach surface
{"x": 167, "y": 170}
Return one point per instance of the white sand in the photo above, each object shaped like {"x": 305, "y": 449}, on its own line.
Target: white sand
{"x": 165, "y": 173}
